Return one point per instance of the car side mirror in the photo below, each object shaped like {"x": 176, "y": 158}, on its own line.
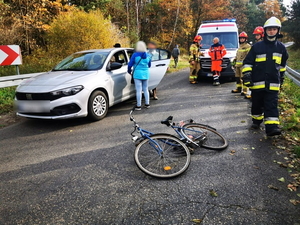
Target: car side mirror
{"x": 114, "y": 66}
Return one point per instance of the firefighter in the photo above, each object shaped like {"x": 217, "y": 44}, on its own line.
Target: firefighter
{"x": 263, "y": 70}
{"x": 216, "y": 52}
{"x": 259, "y": 33}
{"x": 194, "y": 59}
{"x": 240, "y": 56}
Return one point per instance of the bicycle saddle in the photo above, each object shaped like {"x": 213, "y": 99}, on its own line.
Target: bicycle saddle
{"x": 167, "y": 121}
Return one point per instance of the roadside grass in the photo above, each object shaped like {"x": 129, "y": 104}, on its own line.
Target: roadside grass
{"x": 183, "y": 62}
{"x": 7, "y": 99}
{"x": 294, "y": 58}
{"x": 289, "y": 103}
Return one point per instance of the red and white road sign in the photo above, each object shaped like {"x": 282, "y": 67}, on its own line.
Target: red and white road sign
{"x": 10, "y": 55}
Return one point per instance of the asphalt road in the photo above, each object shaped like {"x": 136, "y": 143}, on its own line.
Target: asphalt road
{"x": 77, "y": 172}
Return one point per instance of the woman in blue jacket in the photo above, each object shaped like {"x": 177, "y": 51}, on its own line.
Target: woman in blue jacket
{"x": 141, "y": 62}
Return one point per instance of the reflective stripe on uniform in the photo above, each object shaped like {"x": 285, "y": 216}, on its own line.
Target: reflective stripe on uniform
{"x": 244, "y": 50}
{"x": 246, "y": 68}
{"x": 282, "y": 69}
{"x": 239, "y": 85}
{"x": 258, "y": 117}
{"x": 271, "y": 120}
{"x": 258, "y": 85}
{"x": 239, "y": 63}
{"x": 277, "y": 57}
{"x": 274, "y": 87}
{"x": 261, "y": 58}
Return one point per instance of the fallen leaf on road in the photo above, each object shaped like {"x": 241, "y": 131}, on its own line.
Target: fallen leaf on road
{"x": 232, "y": 152}
{"x": 291, "y": 187}
{"x": 281, "y": 179}
{"x": 245, "y": 148}
{"x": 252, "y": 148}
{"x": 213, "y": 193}
{"x": 196, "y": 220}
{"x": 273, "y": 187}
{"x": 294, "y": 201}
{"x": 243, "y": 121}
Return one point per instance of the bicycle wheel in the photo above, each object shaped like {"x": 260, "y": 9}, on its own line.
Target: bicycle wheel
{"x": 162, "y": 156}
{"x": 205, "y": 136}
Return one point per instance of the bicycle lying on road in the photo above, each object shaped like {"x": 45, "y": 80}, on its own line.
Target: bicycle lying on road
{"x": 164, "y": 155}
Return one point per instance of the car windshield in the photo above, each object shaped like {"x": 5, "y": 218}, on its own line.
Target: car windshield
{"x": 82, "y": 61}
{"x": 228, "y": 39}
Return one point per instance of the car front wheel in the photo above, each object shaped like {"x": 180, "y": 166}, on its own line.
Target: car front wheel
{"x": 97, "y": 106}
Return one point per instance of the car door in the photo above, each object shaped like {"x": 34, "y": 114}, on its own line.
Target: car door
{"x": 159, "y": 65}
{"x": 120, "y": 79}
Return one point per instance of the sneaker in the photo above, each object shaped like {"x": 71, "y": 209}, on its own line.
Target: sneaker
{"x": 193, "y": 82}
{"x": 255, "y": 126}
{"x": 155, "y": 97}
{"x": 216, "y": 83}
{"x": 274, "y": 132}
{"x": 243, "y": 93}
{"x": 247, "y": 96}
{"x": 138, "y": 108}
{"x": 147, "y": 106}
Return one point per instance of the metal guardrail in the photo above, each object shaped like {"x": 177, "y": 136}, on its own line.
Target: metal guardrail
{"x": 9, "y": 81}
{"x": 294, "y": 75}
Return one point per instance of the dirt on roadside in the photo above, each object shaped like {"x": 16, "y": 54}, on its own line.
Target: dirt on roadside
{"x": 8, "y": 119}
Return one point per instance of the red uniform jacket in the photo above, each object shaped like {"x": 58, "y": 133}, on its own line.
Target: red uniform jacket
{"x": 216, "y": 52}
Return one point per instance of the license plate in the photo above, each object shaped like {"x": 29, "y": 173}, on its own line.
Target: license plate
{"x": 209, "y": 74}
{"x": 33, "y": 106}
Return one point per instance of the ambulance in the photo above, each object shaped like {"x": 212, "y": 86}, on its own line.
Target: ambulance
{"x": 227, "y": 32}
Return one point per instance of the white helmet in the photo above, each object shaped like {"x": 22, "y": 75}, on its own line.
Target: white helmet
{"x": 272, "y": 22}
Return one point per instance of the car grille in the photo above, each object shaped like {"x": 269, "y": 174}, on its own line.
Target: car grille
{"x": 36, "y": 96}
{"x": 206, "y": 63}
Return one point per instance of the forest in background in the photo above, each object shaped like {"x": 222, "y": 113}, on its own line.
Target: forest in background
{"x": 53, "y": 29}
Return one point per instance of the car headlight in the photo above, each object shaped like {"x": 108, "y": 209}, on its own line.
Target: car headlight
{"x": 67, "y": 91}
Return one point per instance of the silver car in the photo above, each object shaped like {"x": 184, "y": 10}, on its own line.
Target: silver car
{"x": 84, "y": 84}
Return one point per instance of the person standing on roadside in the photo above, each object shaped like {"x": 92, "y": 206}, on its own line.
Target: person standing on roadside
{"x": 175, "y": 54}
{"x": 263, "y": 70}
{"x": 240, "y": 56}
{"x": 141, "y": 62}
{"x": 152, "y": 46}
{"x": 194, "y": 59}
{"x": 216, "y": 53}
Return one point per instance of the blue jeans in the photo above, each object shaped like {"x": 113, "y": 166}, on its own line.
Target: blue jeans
{"x": 141, "y": 85}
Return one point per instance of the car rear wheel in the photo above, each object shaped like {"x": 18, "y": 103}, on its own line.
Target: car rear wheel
{"x": 97, "y": 106}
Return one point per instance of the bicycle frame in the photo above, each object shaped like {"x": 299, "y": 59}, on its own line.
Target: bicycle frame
{"x": 146, "y": 134}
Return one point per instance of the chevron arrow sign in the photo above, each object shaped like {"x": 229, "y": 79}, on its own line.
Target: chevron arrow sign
{"x": 10, "y": 55}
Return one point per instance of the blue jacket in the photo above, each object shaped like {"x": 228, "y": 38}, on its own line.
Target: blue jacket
{"x": 141, "y": 62}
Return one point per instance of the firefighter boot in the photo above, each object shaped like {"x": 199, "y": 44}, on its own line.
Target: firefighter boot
{"x": 238, "y": 86}
{"x": 272, "y": 130}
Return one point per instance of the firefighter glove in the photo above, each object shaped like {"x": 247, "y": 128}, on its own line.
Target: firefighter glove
{"x": 247, "y": 81}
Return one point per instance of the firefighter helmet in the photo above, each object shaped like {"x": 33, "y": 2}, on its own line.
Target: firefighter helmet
{"x": 197, "y": 38}
{"x": 259, "y": 30}
{"x": 272, "y": 22}
{"x": 243, "y": 35}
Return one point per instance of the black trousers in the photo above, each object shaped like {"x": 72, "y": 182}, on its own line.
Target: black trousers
{"x": 265, "y": 106}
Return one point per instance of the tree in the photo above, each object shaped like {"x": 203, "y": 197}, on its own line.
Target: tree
{"x": 292, "y": 24}
{"x": 78, "y": 30}
{"x": 24, "y": 22}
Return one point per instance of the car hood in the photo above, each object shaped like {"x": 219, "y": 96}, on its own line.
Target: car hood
{"x": 54, "y": 80}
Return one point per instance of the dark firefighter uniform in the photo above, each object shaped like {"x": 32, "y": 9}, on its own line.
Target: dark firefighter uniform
{"x": 265, "y": 63}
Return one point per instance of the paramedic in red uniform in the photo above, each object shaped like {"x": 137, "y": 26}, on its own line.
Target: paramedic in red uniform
{"x": 216, "y": 52}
